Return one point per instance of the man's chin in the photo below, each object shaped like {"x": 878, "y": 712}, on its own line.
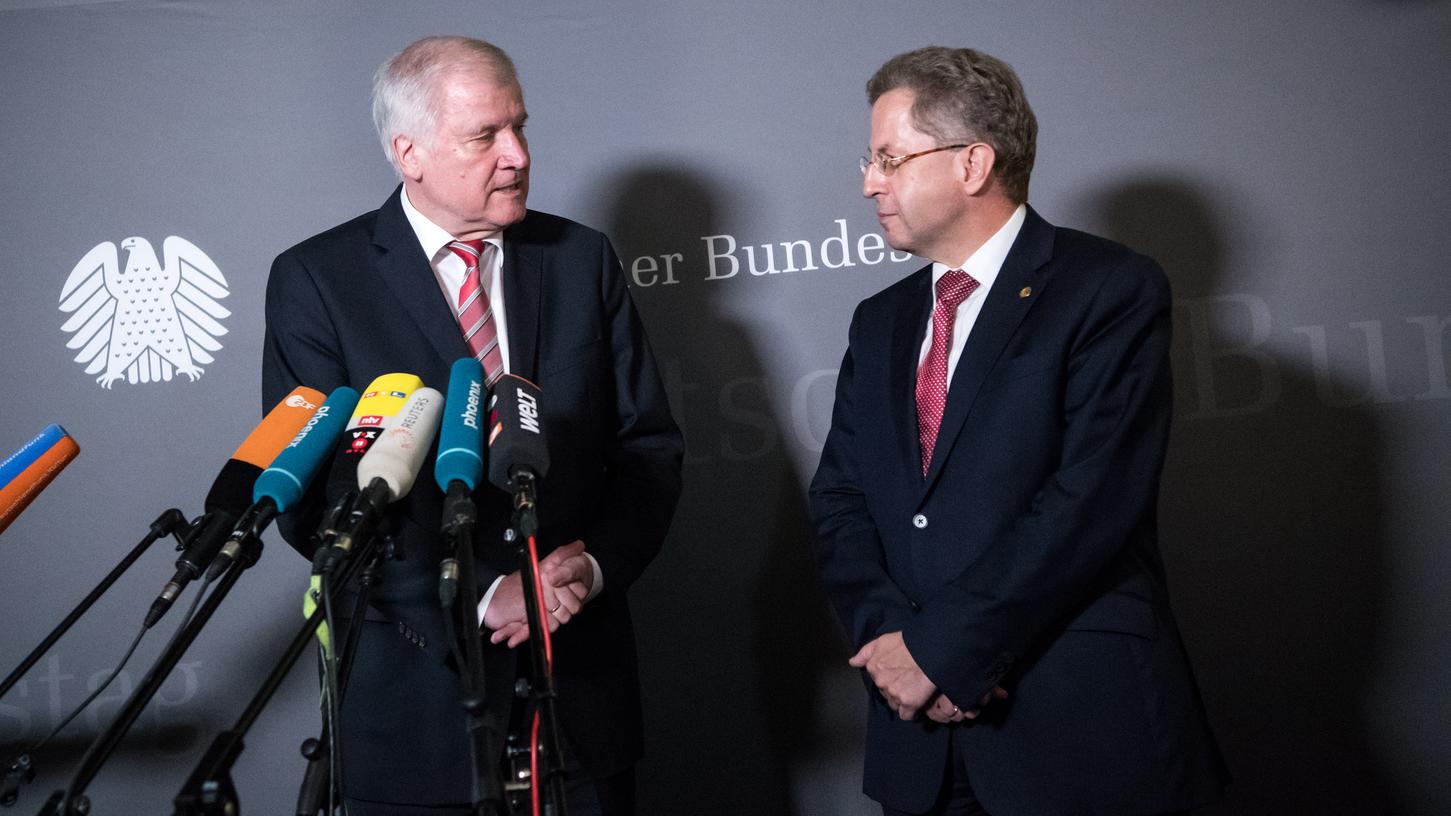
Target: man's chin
{"x": 508, "y": 216}
{"x": 895, "y": 239}
{"x": 900, "y": 246}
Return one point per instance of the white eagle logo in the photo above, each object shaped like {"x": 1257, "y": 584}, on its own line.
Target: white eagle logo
{"x": 144, "y": 321}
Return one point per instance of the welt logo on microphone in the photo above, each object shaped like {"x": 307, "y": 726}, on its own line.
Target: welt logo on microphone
{"x": 145, "y": 320}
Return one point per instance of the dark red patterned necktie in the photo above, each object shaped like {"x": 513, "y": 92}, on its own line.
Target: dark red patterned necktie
{"x": 952, "y": 289}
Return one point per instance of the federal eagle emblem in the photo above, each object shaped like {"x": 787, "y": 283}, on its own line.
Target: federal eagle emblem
{"x": 145, "y": 321}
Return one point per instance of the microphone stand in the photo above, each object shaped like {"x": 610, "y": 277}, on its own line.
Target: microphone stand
{"x": 21, "y": 769}
{"x": 209, "y": 791}
{"x": 459, "y": 516}
{"x": 165, "y": 524}
{"x": 317, "y": 780}
{"x": 71, "y": 801}
{"x": 523, "y": 527}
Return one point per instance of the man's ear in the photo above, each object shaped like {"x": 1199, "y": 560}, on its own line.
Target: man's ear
{"x": 974, "y": 165}
{"x": 405, "y": 154}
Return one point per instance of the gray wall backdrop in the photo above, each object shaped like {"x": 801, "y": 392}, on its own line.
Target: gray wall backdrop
{"x": 1285, "y": 161}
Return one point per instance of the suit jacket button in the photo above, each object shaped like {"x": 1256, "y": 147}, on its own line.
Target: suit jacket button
{"x": 919, "y": 521}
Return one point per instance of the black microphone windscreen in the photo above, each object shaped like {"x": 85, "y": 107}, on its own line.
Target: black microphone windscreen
{"x": 232, "y": 490}
{"x": 516, "y": 433}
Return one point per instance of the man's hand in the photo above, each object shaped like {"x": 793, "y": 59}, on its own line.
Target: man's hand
{"x": 896, "y": 674}
{"x": 567, "y": 577}
{"x": 944, "y": 710}
{"x": 570, "y": 577}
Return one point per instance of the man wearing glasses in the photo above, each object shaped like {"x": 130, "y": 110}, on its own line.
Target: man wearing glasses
{"x": 985, "y": 502}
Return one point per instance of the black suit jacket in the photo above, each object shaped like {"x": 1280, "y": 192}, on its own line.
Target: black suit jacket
{"x": 361, "y": 300}
{"x": 1028, "y": 555}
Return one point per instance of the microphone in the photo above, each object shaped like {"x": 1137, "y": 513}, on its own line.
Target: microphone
{"x": 29, "y": 470}
{"x": 459, "y": 464}
{"x": 517, "y": 453}
{"x": 386, "y": 473}
{"x": 381, "y": 400}
{"x": 17, "y": 462}
{"x": 228, "y": 497}
{"x": 460, "y": 439}
{"x": 282, "y": 484}
{"x": 397, "y": 458}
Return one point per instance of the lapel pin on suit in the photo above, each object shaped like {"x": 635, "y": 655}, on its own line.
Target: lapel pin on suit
{"x": 1027, "y": 291}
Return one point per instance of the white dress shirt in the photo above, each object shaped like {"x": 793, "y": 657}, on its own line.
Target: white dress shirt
{"x": 449, "y": 269}
{"x": 983, "y": 265}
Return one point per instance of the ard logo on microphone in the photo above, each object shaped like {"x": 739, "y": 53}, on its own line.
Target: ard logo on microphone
{"x": 145, "y": 320}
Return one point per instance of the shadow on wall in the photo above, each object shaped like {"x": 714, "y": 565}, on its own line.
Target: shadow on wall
{"x": 736, "y": 635}
{"x": 1271, "y": 510}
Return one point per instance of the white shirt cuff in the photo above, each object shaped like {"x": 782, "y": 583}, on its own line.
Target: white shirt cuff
{"x": 488, "y": 596}
{"x": 599, "y": 582}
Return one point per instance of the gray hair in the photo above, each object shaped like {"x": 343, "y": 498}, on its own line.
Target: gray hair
{"x": 404, "y": 88}
{"x": 966, "y": 95}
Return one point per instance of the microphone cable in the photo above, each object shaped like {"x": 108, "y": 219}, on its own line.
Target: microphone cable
{"x": 450, "y": 629}
{"x": 22, "y": 763}
{"x": 333, "y": 709}
{"x": 180, "y": 627}
{"x": 548, "y": 670}
{"x": 196, "y": 602}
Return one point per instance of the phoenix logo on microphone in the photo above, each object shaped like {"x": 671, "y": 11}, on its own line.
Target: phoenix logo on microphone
{"x": 471, "y": 409}
{"x": 146, "y": 320}
{"x": 311, "y": 423}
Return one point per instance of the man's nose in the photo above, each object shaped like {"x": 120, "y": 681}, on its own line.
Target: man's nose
{"x": 513, "y": 150}
{"x": 873, "y": 182}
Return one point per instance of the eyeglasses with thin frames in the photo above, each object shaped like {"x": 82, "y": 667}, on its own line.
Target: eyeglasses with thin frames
{"x": 887, "y": 165}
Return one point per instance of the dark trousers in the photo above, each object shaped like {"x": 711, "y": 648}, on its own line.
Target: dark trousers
{"x": 583, "y": 796}
{"x": 611, "y": 796}
{"x": 956, "y": 797}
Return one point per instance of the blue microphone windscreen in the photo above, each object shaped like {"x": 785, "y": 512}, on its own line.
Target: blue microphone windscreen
{"x": 287, "y": 478}
{"x": 460, "y": 439}
{"x": 18, "y": 461}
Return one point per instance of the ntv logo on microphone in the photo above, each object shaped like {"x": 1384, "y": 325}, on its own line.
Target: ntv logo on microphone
{"x": 146, "y": 320}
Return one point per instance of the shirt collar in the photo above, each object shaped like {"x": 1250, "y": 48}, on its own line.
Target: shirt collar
{"x": 431, "y": 236}
{"x": 984, "y": 264}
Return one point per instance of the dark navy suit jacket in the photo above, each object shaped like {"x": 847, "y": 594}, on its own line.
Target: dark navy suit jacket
{"x": 1028, "y": 556}
{"x": 361, "y": 300}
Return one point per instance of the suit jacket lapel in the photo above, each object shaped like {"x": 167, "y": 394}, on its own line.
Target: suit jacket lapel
{"x": 408, "y": 275}
{"x": 523, "y": 272}
{"x": 1000, "y": 317}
